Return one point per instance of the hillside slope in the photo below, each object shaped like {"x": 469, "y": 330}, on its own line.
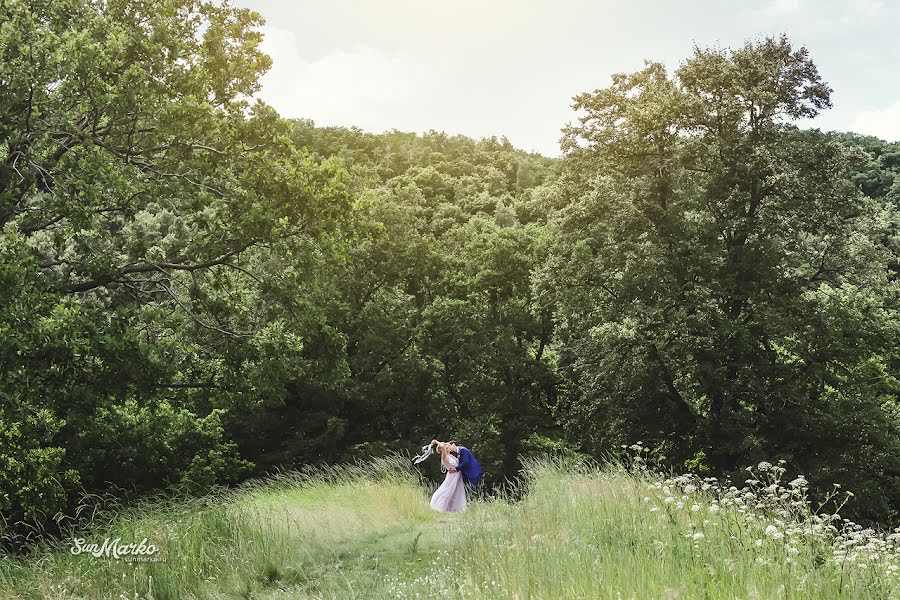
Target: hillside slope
{"x": 578, "y": 532}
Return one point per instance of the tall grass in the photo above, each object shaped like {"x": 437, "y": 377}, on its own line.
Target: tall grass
{"x": 579, "y": 531}
{"x": 586, "y": 531}
{"x": 285, "y": 531}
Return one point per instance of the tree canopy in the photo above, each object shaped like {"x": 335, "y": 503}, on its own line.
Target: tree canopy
{"x": 719, "y": 270}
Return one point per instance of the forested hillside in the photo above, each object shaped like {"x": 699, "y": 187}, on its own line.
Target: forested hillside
{"x": 194, "y": 290}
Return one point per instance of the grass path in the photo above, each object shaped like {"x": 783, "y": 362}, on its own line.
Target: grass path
{"x": 337, "y": 534}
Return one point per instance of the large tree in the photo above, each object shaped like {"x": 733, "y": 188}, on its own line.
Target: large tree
{"x": 144, "y": 200}
{"x": 722, "y": 284}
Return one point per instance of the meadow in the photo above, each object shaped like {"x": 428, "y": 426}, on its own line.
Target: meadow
{"x": 576, "y": 530}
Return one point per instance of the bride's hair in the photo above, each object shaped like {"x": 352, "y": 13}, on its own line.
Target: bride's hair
{"x": 430, "y": 449}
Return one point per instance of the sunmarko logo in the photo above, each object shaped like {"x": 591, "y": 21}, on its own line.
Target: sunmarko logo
{"x": 114, "y": 548}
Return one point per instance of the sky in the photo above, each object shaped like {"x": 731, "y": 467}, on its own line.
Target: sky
{"x": 511, "y": 67}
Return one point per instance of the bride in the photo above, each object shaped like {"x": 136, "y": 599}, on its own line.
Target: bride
{"x": 451, "y": 495}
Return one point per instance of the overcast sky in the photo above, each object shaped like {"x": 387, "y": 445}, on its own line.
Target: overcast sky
{"x": 511, "y": 67}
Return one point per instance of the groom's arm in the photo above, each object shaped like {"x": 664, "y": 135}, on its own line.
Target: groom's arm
{"x": 463, "y": 461}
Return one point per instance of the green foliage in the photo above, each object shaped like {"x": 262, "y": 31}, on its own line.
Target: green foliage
{"x": 722, "y": 285}
{"x": 199, "y": 289}
{"x": 434, "y": 296}
{"x": 139, "y": 185}
{"x": 194, "y": 290}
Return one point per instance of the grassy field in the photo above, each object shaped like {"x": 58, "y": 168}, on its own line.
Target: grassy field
{"x": 578, "y": 532}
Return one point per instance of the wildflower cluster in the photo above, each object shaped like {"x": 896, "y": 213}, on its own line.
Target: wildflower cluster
{"x": 778, "y": 516}
{"x": 436, "y": 577}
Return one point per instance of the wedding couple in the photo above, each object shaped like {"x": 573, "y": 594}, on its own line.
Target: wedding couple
{"x": 463, "y": 471}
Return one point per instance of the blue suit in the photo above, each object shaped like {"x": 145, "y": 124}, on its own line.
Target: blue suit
{"x": 469, "y": 467}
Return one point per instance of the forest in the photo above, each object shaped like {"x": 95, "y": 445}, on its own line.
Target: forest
{"x": 195, "y": 291}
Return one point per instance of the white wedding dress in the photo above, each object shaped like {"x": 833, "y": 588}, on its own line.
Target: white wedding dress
{"x": 451, "y": 496}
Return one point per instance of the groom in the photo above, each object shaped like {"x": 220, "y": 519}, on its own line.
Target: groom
{"x": 468, "y": 466}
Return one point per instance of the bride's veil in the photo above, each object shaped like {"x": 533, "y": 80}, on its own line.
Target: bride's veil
{"x": 427, "y": 451}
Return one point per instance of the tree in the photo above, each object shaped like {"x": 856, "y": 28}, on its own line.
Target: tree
{"x": 139, "y": 184}
{"x": 434, "y": 297}
{"x": 718, "y": 275}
